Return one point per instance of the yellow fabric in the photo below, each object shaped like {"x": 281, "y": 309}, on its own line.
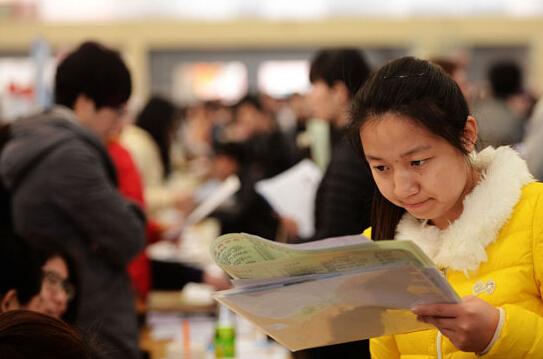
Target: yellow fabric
{"x": 515, "y": 265}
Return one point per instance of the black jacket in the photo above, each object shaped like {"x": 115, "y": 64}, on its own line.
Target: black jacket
{"x": 344, "y": 196}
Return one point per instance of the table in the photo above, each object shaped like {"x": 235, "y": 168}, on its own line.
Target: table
{"x": 173, "y": 328}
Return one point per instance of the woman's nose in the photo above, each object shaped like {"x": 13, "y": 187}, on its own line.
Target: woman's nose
{"x": 404, "y": 184}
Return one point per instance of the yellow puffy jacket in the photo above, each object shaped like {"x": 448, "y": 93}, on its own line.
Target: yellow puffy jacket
{"x": 507, "y": 274}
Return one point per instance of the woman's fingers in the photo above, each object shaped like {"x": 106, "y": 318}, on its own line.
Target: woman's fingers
{"x": 438, "y": 310}
{"x": 440, "y": 323}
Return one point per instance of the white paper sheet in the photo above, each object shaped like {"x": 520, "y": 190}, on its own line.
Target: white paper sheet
{"x": 226, "y": 190}
{"x": 292, "y": 194}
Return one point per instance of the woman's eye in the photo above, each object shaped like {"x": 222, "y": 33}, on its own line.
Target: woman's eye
{"x": 418, "y": 163}
{"x": 380, "y": 168}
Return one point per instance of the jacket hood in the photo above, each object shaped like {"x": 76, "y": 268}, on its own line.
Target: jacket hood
{"x": 35, "y": 136}
{"x": 487, "y": 208}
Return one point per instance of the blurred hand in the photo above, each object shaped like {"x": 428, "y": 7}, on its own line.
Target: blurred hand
{"x": 289, "y": 227}
{"x": 172, "y": 232}
{"x": 217, "y": 279}
{"x": 184, "y": 203}
{"x": 469, "y": 325}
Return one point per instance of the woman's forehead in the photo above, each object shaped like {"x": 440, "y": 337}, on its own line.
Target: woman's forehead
{"x": 398, "y": 135}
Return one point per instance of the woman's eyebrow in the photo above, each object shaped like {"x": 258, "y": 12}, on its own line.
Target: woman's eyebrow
{"x": 405, "y": 154}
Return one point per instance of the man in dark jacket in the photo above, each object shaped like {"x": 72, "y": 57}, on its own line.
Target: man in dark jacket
{"x": 63, "y": 187}
{"x": 344, "y": 196}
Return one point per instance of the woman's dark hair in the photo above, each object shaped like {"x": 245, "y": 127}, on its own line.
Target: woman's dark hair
{"x": 348, "y": 66}
{"x": 25, "y": 334}
{"x": 19, "y": 267}
{"x": 159, "y": 118}
{"x": 422, "y": 92}
{"x": 96, "y": 72}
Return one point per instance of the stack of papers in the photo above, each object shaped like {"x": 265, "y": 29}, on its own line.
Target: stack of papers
{"x": 328, "y": 292}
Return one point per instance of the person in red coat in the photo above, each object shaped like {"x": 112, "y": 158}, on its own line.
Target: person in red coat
{"x": 147, "y": 274}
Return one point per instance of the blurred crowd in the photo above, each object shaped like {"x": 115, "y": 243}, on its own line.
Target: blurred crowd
{"x": 90, "y": 184}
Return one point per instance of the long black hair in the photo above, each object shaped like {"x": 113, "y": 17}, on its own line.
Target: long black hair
{"x": 421, "y": 91}
{"x": 159, "y": 118}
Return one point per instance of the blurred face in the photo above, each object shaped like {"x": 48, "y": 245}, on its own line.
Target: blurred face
{"x": 325, "y": 102}
{"x": 417, "y": 170}
{"x": 250, "y": 121}
{"x": 224, "y": 166}
{"x": 104, "y": 121}
{"x": 108, "y": 121}
{"x": 56, "y": 291}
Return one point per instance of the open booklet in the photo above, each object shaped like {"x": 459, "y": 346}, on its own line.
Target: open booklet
{"x": 330, "y": 291}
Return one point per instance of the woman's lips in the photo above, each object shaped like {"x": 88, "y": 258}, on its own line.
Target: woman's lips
{"x": 415, "y": 205}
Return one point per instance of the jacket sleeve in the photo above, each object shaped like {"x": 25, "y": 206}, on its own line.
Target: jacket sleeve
{"x": 112, "y": 226}
{"x": 384, "y": 348}
{"x": 522, "y": 332}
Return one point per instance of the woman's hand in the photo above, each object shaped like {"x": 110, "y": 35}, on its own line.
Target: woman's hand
{"x": 469, "y": 325}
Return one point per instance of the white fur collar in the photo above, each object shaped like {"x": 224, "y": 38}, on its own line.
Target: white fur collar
{"x": 487, "y": 208}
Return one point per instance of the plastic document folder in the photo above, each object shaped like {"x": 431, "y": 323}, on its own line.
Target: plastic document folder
{"x": 330, "y": 291}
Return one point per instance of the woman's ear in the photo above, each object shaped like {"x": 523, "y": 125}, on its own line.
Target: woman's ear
{"x": 471, "y": 131}
{"x": 9, "y": 301}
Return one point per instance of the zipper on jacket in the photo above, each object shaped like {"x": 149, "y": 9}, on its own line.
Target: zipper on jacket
{"x": 439, "y": 336}
{"x": 438, "y": 345}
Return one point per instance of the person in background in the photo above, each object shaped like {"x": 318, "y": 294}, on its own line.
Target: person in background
{"x": 151, "y": 143}
{"x": 25, "y": 334}
{"x": 149, "y": 274}
{"x": 476, "y": 215}
{"x": 58, "y": 293}
{"x": 257, "y": 150}
{"x": 21, "y": 277}
{"x": 502, "y": 116}
{"x": 69, "y": 200}
{"x": 531, "y": 143}
{"x": 344, "y": 196}
{"x": 265, "y": 148}
{"x": 247, "y": 211}
{"x": 457, "y": 71}
{"x": 35, "y": 279}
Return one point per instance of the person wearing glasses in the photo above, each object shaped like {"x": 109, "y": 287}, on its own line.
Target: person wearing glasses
{"x": 58, "y": 290}
{"x": 64, "y": 194}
